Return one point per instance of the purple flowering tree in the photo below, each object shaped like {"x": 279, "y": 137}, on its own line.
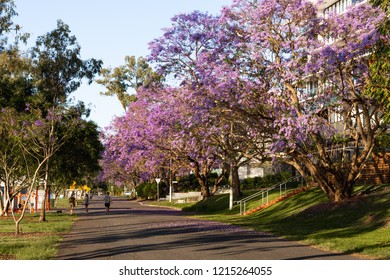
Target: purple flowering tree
{"x": 154, "y": 138}
{"x": 189, "y": 54}
{"x": 170, "y": 134}
{"x": 266, "y": 79}
{"x": 306, "y": 72}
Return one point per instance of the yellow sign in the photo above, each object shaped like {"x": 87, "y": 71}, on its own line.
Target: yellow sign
{"x": 86, "y": 188}
{"x": 73, "y": 186}
{"x": 83, "y": 188}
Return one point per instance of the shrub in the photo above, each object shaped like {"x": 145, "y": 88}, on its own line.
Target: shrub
{"x": 146, "y": 190}
{"x": 264, "y": 182}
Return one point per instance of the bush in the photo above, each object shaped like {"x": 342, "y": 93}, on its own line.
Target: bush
{"x": 264, "y": 182}
{"x": 146, "y": 190}
{"x": 190, "y": 183}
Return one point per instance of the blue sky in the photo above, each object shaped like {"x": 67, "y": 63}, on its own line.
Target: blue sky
{"x": 107, "y": 30}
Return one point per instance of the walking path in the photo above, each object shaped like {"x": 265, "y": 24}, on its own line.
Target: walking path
{"x": 136, "y": 232}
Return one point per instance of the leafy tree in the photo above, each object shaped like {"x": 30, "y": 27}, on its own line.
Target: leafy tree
{"x": 78, "y": 159}
{"x": 30, "y": 141}
{"x": 15, "y": 84}
{"x": 58, "y": 71}
{"x": 7, "y": 12}
{"x": 378, "y": 81}
{"x": 58, "y": 68}
{"x": 134, "y": 74}
{"x": 260, "y": 81}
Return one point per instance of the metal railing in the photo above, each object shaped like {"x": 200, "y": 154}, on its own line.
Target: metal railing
{"x": 264, "y": 193}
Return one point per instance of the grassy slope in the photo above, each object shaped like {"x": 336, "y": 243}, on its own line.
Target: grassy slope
{"x": 360, "y": 225}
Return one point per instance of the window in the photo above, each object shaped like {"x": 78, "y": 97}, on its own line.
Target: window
{"x": 339, "y": 7}
{"x": 311, "y": 88}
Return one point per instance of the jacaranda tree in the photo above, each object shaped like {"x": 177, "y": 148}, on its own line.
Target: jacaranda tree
{"x": 267, "y": 79}
{"x": 307, "y": 71}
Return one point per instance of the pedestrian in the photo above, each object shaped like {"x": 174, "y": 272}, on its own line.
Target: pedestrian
{"x": 86, "y": 202}
{"x": 72, "y": 202}
{"x": 107, "y": 202}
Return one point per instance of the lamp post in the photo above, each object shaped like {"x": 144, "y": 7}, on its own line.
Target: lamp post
{"x": 158, "y": 191}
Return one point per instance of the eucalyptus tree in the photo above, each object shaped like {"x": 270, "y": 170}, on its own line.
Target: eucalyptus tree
{"x": 8, "y": 27}
{"x": 124, "y": 81}
{"x": 58, "y": 71}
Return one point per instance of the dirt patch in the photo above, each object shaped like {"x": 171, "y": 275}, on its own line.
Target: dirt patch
{"x": 370, "y": 219}
{"x": 7, "y": 257}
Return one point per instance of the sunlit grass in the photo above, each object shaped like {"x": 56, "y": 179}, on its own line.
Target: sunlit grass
{"x": 37, "y": 240}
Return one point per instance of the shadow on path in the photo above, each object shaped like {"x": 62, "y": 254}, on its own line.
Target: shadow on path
{"x": 132, "y": 231}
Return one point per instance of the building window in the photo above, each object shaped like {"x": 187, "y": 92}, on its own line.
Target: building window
{"x": 354, "y": 2}
{"x": 340, "y": 6}
{"x": 311, "y": 88}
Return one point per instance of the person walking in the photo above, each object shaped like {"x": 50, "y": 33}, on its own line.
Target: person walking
{"x": 72, "y": 202}
{"x": 86, "y": 202}
{"x": 107, "y": 202}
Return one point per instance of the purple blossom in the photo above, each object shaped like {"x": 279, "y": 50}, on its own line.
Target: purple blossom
{"x": 38, "y": 123}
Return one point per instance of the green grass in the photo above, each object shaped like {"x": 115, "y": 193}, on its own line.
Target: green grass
{"x": 360, "y": 225}
{"x": 37, "y": 241}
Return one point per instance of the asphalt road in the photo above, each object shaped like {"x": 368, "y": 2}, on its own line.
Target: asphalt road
{"x": 136, "y": 232}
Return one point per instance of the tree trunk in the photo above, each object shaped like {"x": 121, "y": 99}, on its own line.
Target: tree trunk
{"x": 1, "y": 204}
{"x": 6, "y": 207}
{"x": 235, "y": 180}
{"x": 204, "y": 188}
{"x": 201, "y": 175}
{"x": 42, "y": 217}
{"x": 17, "y": 227}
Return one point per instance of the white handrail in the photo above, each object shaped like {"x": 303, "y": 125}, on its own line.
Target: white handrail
{"x": 265, "y": 192}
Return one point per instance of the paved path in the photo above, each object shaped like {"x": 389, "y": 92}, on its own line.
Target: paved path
{"x": 136, "y": 232}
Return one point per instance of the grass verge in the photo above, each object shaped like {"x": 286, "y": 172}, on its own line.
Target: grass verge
{"x": 38, "y": 240}
{"x": 360, "y": 225}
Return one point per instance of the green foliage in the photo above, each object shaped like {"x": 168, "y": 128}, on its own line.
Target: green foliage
{"x": 146, "y": 190}
{"x": 213, "y": 204}
{"x": 79, "y": 157}
{"x": 383, "y": 142}
{"x": 187, "y": 183}
{"x": 15, "y": 85}
{"x": 7, "y": 12}
{"x": 120, "y": 80}
{"x": 378, "y": 84}
{"x": 58, "y": 68}
{"x": 263, "y": 182}
{"x": 190, "y": 182}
